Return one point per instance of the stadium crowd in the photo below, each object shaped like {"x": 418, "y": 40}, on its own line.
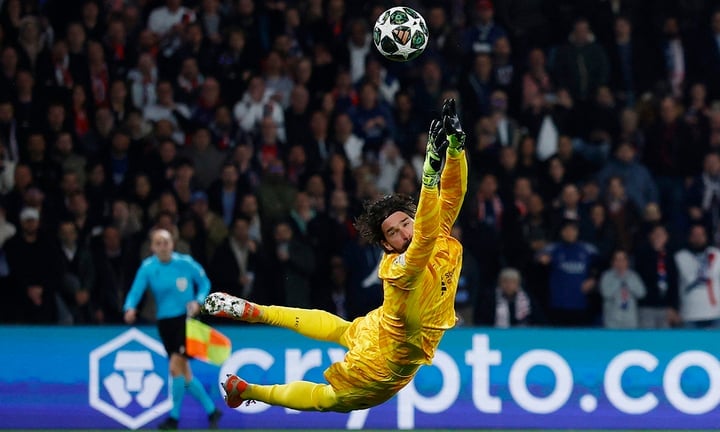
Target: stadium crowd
{"x": 255, "y": 130}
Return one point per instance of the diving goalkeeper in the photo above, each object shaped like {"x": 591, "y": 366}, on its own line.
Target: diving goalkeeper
{"x": 419, "y": 269}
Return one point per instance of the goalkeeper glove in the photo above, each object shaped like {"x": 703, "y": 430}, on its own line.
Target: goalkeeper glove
{"x": 453, "y": 129}
{"x": 434, "y": 153}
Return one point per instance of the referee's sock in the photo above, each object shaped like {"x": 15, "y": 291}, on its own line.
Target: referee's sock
{"x": 178, "y": 392}
{"x": 197, "y": 390}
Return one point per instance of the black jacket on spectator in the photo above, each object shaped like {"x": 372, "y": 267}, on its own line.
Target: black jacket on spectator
{"x": 32, "y": 263}
{"x": 646, "y": 265}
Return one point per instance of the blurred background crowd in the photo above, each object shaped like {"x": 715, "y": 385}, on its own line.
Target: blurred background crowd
{"x": 255, "y": 130}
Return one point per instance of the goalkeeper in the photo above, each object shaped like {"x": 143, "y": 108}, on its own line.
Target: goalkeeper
{"x": 419, "y": 269}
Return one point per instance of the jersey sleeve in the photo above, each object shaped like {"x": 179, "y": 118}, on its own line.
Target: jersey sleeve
{"x": 138, "y": 288}
{"x": 201, "y": 281}
{"x": 453, "y": 186}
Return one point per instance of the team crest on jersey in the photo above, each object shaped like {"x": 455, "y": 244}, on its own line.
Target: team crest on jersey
{"x": 181, "y": 283}
{"x": 400, "y": 260}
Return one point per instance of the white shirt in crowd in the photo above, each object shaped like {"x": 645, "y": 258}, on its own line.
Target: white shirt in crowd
{"x": 699, "y": 284}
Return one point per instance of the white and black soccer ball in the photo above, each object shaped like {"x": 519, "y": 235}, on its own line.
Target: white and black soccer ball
{"x": 400, "y": 34}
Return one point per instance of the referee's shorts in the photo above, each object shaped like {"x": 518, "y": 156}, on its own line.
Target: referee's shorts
{"x": 172, "y": 334}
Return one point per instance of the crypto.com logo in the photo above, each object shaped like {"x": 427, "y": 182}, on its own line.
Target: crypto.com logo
{"x": 127, "y": 375}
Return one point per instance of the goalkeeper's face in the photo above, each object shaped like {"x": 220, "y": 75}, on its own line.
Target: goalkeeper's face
{"x": 398, "y": 232}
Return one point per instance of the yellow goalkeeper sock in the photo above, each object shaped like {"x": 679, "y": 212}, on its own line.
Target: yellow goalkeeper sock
{"x": 299, "y": 395}
{"x": 313, "y": 323}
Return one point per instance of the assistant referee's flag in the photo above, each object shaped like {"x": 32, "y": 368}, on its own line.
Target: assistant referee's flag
{"x": 205, "y": 343}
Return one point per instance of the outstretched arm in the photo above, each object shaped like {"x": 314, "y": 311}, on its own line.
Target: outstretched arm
{"x": 453, "y": 182}
{"x": 427, "y": 216}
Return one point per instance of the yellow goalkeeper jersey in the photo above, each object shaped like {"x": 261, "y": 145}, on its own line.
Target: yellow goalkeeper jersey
{"x": 388, "y": 344}
{"x": 420, "y": 284}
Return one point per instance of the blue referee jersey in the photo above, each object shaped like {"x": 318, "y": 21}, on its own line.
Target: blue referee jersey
{"x": 174, "y": 284}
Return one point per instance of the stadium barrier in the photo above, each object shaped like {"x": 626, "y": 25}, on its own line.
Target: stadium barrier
{"x": 115, "y": 377}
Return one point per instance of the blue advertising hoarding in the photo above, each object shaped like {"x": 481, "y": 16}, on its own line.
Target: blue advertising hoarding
{"x": 114, "y": 377}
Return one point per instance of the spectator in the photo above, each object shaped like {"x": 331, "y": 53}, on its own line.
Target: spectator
{"x": 99, "y": 75}
{"x": 478, "y": 87}
{"x": 299, "y": 168}
{"x": 168, "y": 24}
{"x": 513, "y": 306}
{"x": 508, "y": 129}
{"x": 703, "y": 197}
{"x": 371, "y": 118}
{"x": 141, "y": 198}
{"x": 699, "y": 281}
{"x": 188, "y": 82}
{"x": 77, "y": 276}
{"x": 407, "y": 124}
{"x": 482, "y": 222}
{"x": 631, "y": 132}
{"x": 277, "y": 79}
{"x": 670, "y": 157}
{"x": 31, "y": 43}
{"x": 581, "y": 64}
{"x": 7, "y": 171}
{"x": 297, "y": 114}
{"x": 166, "y": 108}
{"x": 348, "y": 142}
{"x": 224, "y": 195}
{"x": 655, "y": 263}
{"x": 427, "y": 92}
{"x": 445, "y": 45}
{"x": 275, "y": 195}
{"x": 7, "y": 231}
{"x": 554, "y": 181}
{"x": 602, "y": 126}
{"x": 250, "y": 210}
{"x": 46, "y": 173}
{"x": 33, "y": 287}
{"x": 621, "y": 288}
{"x": 572, "y": 277}
{"x": 318, "y": 143}
{"x": 624, "y": 214}
{"x": 505, "y": 73}
{"x": 235, "y": 65}
{"x": 143, "y": 81}
{"x": 236, "y": 267}
{"x": 708, "y": 44}
{"x": 639, "y": 184}
{"x": 577, "y": 168}
{"x": 528, "y": 163}
{"x": 568, "y": 207}
{"x": 634, "y": 66}
{"x": 66, "y": 158}
{"x": 257, "y": 104}
{"x": 481, "y": 36}
{"x": 197, "y": 47}
{"x": 115, "y": 264}
{"x": 207, "y": 159}
{"x": 601, "y": 232}
{"x": 386, "y": 84}
{"x": 293, "y": 261}
{"x": 213, "y": 226}
{"x": 536, "y": 82}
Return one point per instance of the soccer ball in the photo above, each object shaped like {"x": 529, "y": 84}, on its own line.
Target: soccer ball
{"x": 400, "y": 34}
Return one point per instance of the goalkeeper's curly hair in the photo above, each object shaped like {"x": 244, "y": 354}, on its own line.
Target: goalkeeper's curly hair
{"x": 369, "y": 223}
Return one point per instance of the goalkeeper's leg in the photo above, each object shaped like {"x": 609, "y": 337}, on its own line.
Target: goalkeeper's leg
{"x": 299, "y": 395}
{"x": 313, "y": 323}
